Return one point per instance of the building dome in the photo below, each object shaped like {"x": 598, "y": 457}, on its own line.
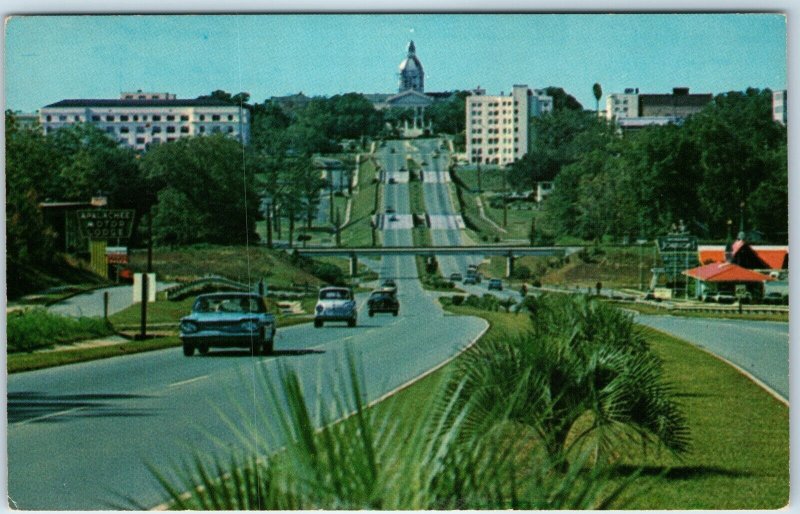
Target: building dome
{"x": 412, "y": 77}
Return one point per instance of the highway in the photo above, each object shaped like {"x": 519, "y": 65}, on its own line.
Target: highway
{"x": 761, "y": 348}
{"x": 80, "y": 437}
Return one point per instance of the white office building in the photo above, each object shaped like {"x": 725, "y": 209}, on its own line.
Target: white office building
{"x": 139, "y": 119}
{"x": 497, "y": 126}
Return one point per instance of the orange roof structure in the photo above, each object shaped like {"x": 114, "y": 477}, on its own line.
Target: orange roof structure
{"x": 774, "y": 257}
{"x": 726, "y": 272}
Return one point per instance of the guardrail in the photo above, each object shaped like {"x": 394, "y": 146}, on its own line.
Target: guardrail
{"x": 214, "y": 280}
{"x": 750, "y": 309}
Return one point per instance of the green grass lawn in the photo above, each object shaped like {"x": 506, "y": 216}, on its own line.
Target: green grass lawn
{"x": 240, "y": 263}
{"x": 740, "y": 452}
{"x": 416, "y": 197}
{"x": 358, "y": 231}
{"x": 491, "y": 178}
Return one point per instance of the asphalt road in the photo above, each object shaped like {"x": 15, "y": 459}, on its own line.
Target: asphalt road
{"x": 80, "y": 437}
{"x": 91, "y": 303}
{"x": 759, "y": 347}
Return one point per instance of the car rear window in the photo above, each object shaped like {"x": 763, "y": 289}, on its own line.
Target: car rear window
{"x": 245, "y": 304}
{"x": 334, "y": 294}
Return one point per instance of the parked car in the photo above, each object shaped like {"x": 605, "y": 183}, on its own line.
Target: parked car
{"x": 335, "y": 304}
{"x": 724, "y": 298}
{"x": 238, "y": 320}
{"x": 383, "y": 300}
{"x": 495, "y": 283}
{"x": 456, "y": 277}
{"x": 775, "y": 298}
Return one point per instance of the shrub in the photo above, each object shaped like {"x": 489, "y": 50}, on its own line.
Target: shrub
{"x": 585, "y": 362}
{"x": 34, "y": 329}
{"x": 521, "y": 272}
{"x": 457, "y": 300}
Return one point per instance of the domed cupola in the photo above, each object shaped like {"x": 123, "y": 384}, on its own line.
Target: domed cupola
{"x": 411, "y": 75}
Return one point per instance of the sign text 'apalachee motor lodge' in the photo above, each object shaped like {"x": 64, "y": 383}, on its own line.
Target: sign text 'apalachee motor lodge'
{"x": 106, "y": 223}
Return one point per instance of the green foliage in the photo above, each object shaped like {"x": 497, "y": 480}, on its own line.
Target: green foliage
{"x": 35, "y": 329}
{"x": 583, "y": 379}
{"x": 372, "y": 460}
{"x": 642, "y": 182}
{"x": 207, "y": 192}
{"x": 449, "y": 116}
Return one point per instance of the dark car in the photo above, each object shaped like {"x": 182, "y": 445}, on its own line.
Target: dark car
{"x": 390, "y": 210}
{"x": 389, "y": 284}
{"x": 230, "y": 320}
{"x": 495, "y": 283}
{"x": 392, "y": 180}
{"x": 456, "y": 277}
{"x": 470, "y": 279}
{"x": 383, "y": 300}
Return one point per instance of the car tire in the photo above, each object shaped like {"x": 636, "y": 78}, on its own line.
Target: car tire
{"x": 203, "y": 349}
{"x": 351, "y": 323}
{"x": 318, "y": 323}
{"x": 371, "y": 313}
{"x": 188, "y": 349}
{"x": 394, "y": 313}
{"x": 268, "y": 347}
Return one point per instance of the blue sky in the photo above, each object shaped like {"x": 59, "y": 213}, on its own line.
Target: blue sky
{"x": 49, "y": 58}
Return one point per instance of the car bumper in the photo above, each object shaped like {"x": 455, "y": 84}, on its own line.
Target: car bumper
{"x": 244, "y": 340}
{"x": 335, "y": 316}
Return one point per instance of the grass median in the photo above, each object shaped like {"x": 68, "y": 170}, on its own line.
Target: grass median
{"x": 740, "y": 434}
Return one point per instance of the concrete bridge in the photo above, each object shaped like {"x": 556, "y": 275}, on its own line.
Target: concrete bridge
{"x": 509, "y": 252}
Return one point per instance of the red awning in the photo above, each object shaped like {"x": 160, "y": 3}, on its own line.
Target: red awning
{"x": 725, "y": 272}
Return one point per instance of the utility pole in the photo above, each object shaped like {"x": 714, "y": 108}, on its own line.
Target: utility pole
{"x": 150, "y": 240}
{"x": 505, "y": 199}
{"x": 338, "y": 229}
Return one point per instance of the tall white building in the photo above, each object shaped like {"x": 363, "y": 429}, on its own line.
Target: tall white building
{"x": 623, "y": 105}
{"x": 779, "y": 112}
{"x": 497, "y": 126}
{"x": 156, "y": 118}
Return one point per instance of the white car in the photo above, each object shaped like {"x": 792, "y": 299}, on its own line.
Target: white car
{"x": 335, "y": 304}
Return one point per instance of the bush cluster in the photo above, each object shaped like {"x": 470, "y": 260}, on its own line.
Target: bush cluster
{"x": 35, "y": 329}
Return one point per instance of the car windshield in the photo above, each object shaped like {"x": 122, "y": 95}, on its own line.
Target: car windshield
{"x": 244, "y": 304}
{"x": 379, "y": 296}
{"x": 334, "y": 294}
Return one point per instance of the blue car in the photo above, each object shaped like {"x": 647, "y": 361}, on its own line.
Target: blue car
{"x": 228, "y": 320}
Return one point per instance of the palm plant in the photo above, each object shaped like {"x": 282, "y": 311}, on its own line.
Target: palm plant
{"x": 370, "y": 460}
{"x": 583, "y": 379}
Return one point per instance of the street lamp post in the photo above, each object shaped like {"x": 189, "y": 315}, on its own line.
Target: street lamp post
{"x": 267, "y": 204}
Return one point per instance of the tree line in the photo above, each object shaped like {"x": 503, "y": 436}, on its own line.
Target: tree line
{"x": 726, "y": 162}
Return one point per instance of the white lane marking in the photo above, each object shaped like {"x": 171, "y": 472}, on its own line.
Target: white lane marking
{"x": 184, "y": 382}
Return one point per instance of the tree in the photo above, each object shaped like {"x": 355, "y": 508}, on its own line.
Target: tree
{"x": 597, "y": 91}
{"x": 562, "y": 100}
{"x": 208, "y": 178}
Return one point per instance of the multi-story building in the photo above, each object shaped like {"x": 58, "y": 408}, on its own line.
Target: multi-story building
{"x": 634, "y": 110}
{"x": 779, "y": 112}
{"x": 156, "y": 118}
{"x": 497, "y": 126}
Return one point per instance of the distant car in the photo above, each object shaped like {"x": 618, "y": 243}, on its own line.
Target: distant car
{"x": 392, "y": 180}
{"x": 238, "y": 320}
{"x": 495, "y": 283}
{"x": 389, "y": 284}
{"x": 470, "y": 279}
{"x": 724, "y": 298}
{"x": 403, "y": 168}
{"x": 390, "y": 210}
{"x": 335, "y": 304}
{"x": 456, "y": 277}
{"x": 774, "y": 298}
{"x": 393, "y": 218}
{"x": 383, "y": 300}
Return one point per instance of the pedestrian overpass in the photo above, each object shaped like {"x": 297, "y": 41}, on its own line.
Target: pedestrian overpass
{"x": 509, "y": 252}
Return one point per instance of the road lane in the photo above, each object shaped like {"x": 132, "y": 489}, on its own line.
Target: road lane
{"x": 759, "y": 347}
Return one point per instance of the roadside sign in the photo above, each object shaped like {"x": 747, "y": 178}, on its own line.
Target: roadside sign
{"x": 677, "y": 244}
{"x": 137, "y": 287}
{"x": 117, "y": 254}
{"x": 99, "y": 224}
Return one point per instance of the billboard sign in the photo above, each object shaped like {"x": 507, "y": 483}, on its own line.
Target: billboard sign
{"x": 677, "y": 244}
{"x": 100, "y": 224}
{"x": 117, "y": 254}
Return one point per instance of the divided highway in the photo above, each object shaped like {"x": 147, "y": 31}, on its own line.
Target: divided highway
{"x": 80, "y": 436}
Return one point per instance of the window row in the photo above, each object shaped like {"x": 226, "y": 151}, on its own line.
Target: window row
{"x": 169, "y": 130}
{"x": 144, "y": 117}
